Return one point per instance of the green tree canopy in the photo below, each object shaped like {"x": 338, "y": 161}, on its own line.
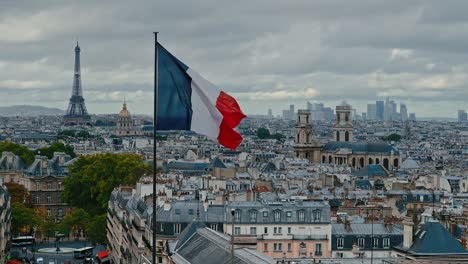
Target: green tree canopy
{"x": 393, "y": 137}
{"x": 75, "y": 222}
{"x": 23, "y": 152}
{"x": 96, "y": 229}
{"x": 263, "y": 133}
{"x": 278, "y": 136}
{"x": 56, "y": 147}
{"x": 23, "y": 217}
{"x": 92, "y": 179}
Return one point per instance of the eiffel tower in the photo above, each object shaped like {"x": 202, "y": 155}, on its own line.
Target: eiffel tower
{"x": 76, "y": 113}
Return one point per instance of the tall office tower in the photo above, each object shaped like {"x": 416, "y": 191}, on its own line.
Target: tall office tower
{"x": 286, "y": 114}
{"x": 76, "y": 112}
{"x": 403, "y": 112}
{"x": 309, "y": 106}
{"x": 364, "y": 116}
{"x": 462, "y": 116}
{"x": 379, "y": 110}
{"x": 412, "y": 116}
{"x": 291, "y": 112}
{"x": 343, "y": 127}
{"x": 393, "y": 110}
{"x": 270, "y": 113}
{"x": 371, "y": 111}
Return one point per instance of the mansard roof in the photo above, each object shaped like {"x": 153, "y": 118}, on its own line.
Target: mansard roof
{"x": 361, "y": 147}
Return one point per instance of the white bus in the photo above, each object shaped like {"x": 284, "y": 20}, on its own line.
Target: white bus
{"x": 22, "y": 241}
{"x": 85, "y": 252}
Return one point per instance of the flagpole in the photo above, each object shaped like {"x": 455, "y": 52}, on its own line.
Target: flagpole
{"x": 155, "y": 116}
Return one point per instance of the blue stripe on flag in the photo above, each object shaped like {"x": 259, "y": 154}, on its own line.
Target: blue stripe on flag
{"x": 174, "y": 93}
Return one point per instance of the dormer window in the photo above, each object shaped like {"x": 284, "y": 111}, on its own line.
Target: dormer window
{"x": 301, "y": 216}
{"x": 317, "y": 215}
{"x": 277, "y": 215}
{"x": 237, "y": 216}
{"x": 177, "y": 211}
{"x": 253, "y": 216}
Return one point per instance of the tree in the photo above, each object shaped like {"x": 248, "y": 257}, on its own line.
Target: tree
{"x": 19, "y": 194}
{"x": 278, "y": 136}
{"x": 75, "y": 222}
{"x": 56, "y": 147}
{"x": 23, "y": 218}
{"x": 96, "y": 229}
{"x": 393, "y": 137}
{"x": 263, "y": 133}
{"x": 23, "y": 152}
{"x": 92, "y": 179}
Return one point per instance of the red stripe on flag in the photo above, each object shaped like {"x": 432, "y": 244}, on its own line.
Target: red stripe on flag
{"x": 230, "y": 109}
{"x": 228, "y": 137}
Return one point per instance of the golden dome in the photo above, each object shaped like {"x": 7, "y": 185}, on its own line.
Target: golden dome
{"x": 124, "y": 112}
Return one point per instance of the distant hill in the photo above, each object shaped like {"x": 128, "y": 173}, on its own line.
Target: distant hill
{"x": 29, "y": 110}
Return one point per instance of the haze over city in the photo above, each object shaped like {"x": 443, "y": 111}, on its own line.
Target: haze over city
{"x": 268, "y": 55}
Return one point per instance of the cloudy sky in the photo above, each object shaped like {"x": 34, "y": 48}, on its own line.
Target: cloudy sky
{"x": 268, "y": 54}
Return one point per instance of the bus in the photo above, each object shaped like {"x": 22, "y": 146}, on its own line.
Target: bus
{"x": 22, "y": 241}
{"x": 85, "y": 252}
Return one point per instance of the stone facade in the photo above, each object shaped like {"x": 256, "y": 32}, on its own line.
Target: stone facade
{"x": 5, "y": 223}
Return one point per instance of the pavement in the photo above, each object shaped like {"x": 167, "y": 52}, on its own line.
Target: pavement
{"x": 58, "y": 258}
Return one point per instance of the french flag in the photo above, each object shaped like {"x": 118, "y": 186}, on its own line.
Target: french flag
{"x": 187, "y": 101}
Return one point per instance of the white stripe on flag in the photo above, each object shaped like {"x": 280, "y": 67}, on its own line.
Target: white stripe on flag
{"x": 206, "y": 118}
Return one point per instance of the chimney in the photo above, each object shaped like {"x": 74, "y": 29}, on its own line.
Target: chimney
{"x": 347, "y": 225}
{"x": 408, "y": 232}
{"x": 167, "y": 205}
{"x": 389, "y": 224}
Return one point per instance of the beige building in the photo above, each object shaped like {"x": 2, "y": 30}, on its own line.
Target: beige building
{"x": 343, "y": 150}
{"x": 5, "y": 220}
{"x": 125, "y": 126}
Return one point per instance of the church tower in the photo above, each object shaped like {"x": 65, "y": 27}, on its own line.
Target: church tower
{"x": 304, "y": 146}
{"x": 343, "y": 128}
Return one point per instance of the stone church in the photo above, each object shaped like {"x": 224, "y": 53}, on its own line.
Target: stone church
{"x": 125, "y": 126}
{"x": 342, "y": 150}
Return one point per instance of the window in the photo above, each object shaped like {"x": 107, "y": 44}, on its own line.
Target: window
{"x": 160, "y": 260}
{"x": 48, "y": 211}
{"x": 317, "y": 215}
{"x": 404, "y": 197}
{"x": 190, "y": 211}
{"x": 318, "y": 249}
{"x": 277, "y": 247}
{"x": 289, "y": 230}
{"x": 265, "y": 247}
{"x": 289, "y": 247}
{"x": 253, "y": 216}
{"x": 265, "y": 230}
{"x": 177, "y": 211}
{"x": 38, "y": 199}
{"x": 280, "y": 246}
{"x": 265, "y": 214}
{"x": 386, "y": 242}
{"x": 277, "y": 230}
{"x": 361, "y": 242}
{"x": 214, "y": 227}
{"x": 237, "y": 216}
{"x": 301, "y": 216}
{"x": 49, "y": 199}
{"x": 339, "y": 254}
{"x": 277, "y": 216}
{"x": 49, "y": 185}
{"x": 253, "y": 230}
{"x": 339, "y": 242}
{"x": 176, "y": 228}
{"x": 37, "y": 185}
{"x": 288, "y": 214}
{"x": 376, "y": 242}
{"x": 60, "y": 212}
{"x": 237, "y": 230}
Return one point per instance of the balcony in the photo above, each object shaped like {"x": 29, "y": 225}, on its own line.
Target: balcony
{"x": 245, "y": 239}
{"x": 275, "y": 237}
{"x": 310, "y": 237}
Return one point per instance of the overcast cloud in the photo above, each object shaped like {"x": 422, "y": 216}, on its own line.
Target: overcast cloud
{"x": 268, "y": 54}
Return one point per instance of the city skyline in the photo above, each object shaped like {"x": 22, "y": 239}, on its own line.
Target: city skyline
{"x": 358, "y": 54}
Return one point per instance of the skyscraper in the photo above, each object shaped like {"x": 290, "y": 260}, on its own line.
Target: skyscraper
{"x": 371, "y": 111}
{"x": 379, "y": 110}
{"x": 76, "y": 112}
{"x": 403, "y": 112}
{"x": 412, "y": 116}
{"x": 462, "y": 116}
{"x": 270, "y": 113}
{"x": 291, "y": 112}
